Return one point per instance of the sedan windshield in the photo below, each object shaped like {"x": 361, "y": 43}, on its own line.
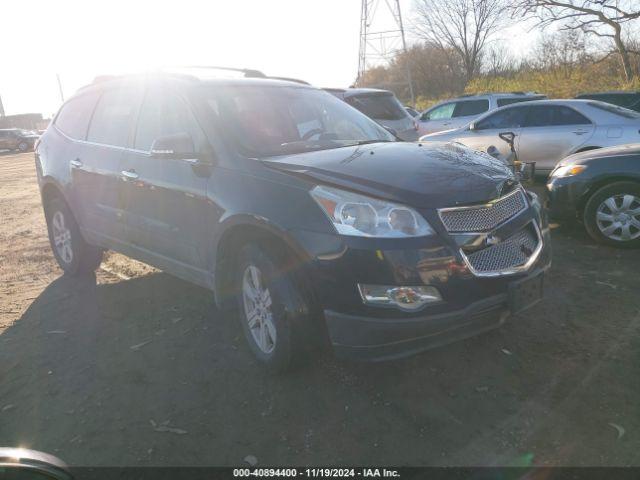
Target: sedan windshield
{"x": 274, "y": 120}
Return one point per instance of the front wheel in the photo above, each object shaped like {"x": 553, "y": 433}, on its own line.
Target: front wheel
{"x": 23, "y": 147}
{"x": 612, "y": 215}
{"x": 273, "y": 312}
{"x": 74, "y": 255}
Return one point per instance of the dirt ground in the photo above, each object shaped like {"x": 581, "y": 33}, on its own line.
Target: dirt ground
{"x": 138, "y": 368}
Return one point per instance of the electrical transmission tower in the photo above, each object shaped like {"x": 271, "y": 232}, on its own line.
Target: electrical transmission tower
{"x": 382, "y": 36}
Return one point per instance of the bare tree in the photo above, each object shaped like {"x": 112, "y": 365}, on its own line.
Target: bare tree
{"x": 461, "y": 26}
{"x": 602, "y": 18}
{"x": 499, "y": 61}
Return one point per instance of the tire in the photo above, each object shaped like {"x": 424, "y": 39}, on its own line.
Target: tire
{"x": 278, "y": 326}
{"x": 23, "y": 147}
{"x": 74, "y": 255}
{"x": 613, "y": 213}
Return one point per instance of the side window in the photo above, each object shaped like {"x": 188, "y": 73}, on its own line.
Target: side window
{"x": 73, "y": 119}
{"x": 467, "y": 108}
{"x": 439, "y": 113}
{"x": 569, "y": 116}
{"x": 164, "y": 113}
{"x": 113, "y": 117}
{"x": 553, "y": 116}
{"x": 508, "y": 118}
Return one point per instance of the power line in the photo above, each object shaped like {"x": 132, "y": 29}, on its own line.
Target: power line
{"x": 384, "y": 44}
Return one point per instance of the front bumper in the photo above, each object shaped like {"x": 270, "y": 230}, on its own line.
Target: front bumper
{"x": 564, "y": 196}
{"x": 373, "y": 339}
{"x": 471, "y": 304}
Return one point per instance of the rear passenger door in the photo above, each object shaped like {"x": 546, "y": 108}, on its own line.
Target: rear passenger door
{"x": 166, "y": 203}
{"x": 550, "y": 133}
{"x": 95, "y": 163}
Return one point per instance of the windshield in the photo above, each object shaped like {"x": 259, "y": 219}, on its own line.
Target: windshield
{"x": 273, "y": 120}
{"x": 379, "y": 106}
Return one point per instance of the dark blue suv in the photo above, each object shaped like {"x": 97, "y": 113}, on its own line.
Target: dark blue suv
{"x": 299, "y": 213}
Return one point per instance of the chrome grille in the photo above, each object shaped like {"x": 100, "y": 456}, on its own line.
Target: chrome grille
{"x": 511, "y": 253}
{"x": 483, "y": 218}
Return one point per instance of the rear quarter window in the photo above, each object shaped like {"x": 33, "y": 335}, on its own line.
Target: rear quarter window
{"x": 74, "y": 116}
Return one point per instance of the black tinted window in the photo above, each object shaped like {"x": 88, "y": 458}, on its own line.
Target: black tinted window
{"x": 470, "y": 107}
{"x": 379, "y": 107}
{"x": 621, "y": 99}
{"x": 164, "y": 113}
{"x": 509, "y": 118}
{"x": 73, "y": 119}
{"x": 508, "y": 101}
{"x": 554, "y": 116}
{"x": 112, "y": 120}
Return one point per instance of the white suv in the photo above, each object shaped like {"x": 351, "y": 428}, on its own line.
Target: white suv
{"x": 459, "y": 111}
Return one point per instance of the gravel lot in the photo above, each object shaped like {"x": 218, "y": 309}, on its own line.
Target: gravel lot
{"x": 136, "y": 367}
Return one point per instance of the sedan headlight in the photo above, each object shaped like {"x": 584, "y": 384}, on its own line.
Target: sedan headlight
{"x": 568, "y": 170}
{"x": 362, "y": 216}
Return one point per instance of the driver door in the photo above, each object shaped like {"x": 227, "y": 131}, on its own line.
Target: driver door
{"x": 485, "y": 131}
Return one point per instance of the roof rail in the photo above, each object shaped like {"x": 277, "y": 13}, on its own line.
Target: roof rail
{"x": 289, "y": 79}
{"x": 248, "y": 72}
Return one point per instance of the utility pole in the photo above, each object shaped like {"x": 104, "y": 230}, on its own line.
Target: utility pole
{"x": 386, "y": 40}
{"x": 60, "y": 87}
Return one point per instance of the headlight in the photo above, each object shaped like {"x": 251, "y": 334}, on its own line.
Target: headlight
{"x": 358, "y": 215}
{"x": 568, "y": 170}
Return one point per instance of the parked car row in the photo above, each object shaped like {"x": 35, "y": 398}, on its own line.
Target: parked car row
{"x": 17, "y": 139}
{"x": 549, "y": 130}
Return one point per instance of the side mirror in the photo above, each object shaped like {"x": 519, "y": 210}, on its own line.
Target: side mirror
{"x": 178, "y": 146}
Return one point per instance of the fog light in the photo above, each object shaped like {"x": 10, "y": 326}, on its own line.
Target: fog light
{"x": 405, "y": 298}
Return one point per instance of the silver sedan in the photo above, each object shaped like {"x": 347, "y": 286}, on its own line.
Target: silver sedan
{"x": 548, "y": 130}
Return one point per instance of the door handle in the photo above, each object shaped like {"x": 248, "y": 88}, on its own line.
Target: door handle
{"x": 76, "y": 163}
{"x": 191, "y": 161}
{"x": 129, "y": 174}
{"x": 580, "y": 132}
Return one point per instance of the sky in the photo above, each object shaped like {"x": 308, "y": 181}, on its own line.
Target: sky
{"x": 316, "y": 40}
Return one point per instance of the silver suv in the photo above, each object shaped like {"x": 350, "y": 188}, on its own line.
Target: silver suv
{"x": 459, "y": 111}
{"x": 381, "y": 106}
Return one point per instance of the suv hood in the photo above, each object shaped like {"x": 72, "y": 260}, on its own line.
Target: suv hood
{"x": 432, "y": 175}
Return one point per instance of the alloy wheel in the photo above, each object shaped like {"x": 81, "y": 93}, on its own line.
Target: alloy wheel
{"x": 618, "y": 217}
{"x": 61, "y": 237}
{"x": 257, "y": 308}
